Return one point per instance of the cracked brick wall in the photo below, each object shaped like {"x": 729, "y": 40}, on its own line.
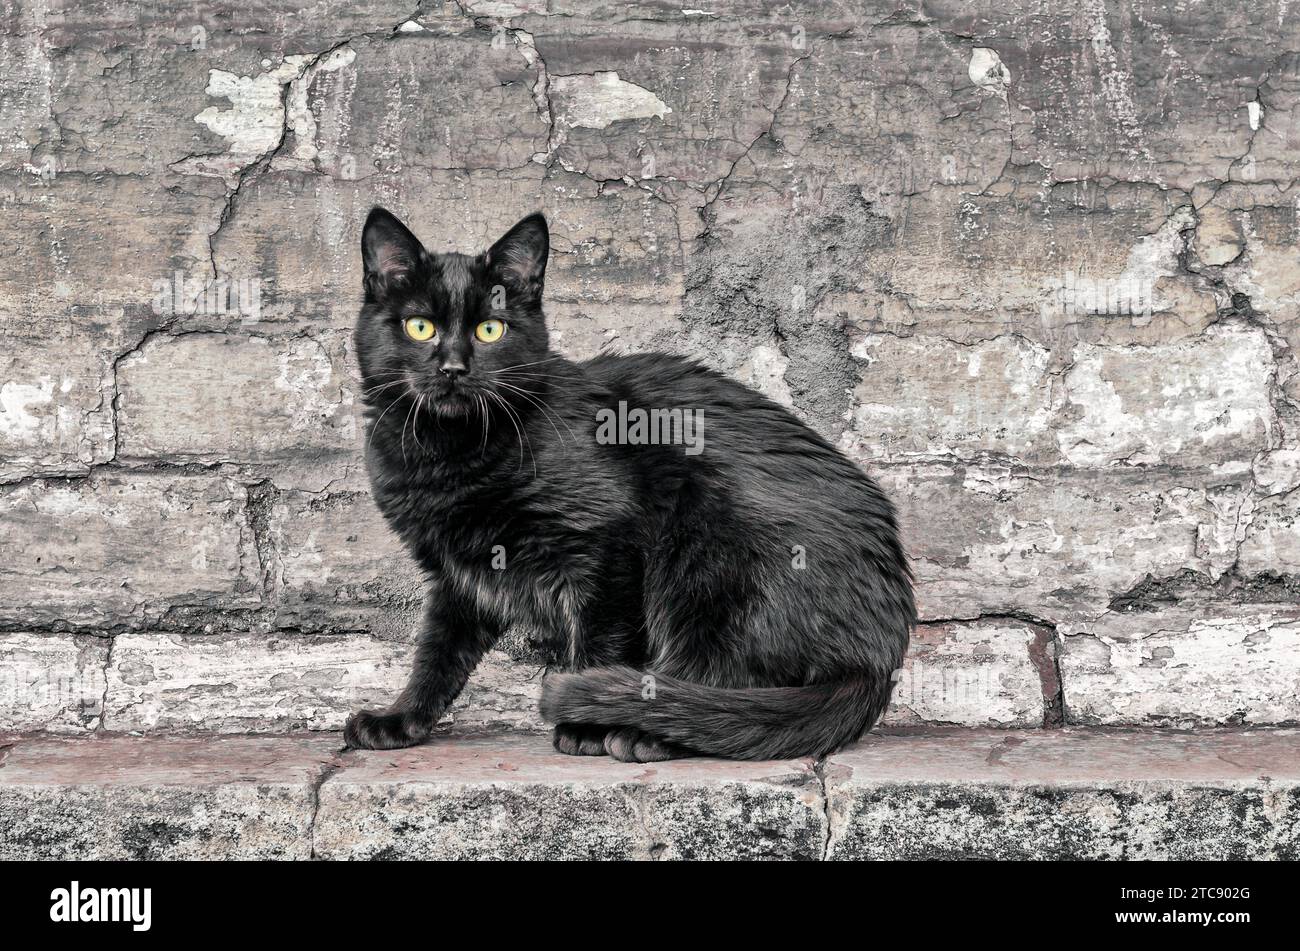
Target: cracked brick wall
{"x": 1034, "y": 266}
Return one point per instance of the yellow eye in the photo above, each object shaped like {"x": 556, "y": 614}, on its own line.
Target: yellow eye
{"x": 419, "y": 328}
{"x": 490, "y": 331}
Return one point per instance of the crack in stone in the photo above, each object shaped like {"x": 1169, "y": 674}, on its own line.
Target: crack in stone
{"x": 1232, "y": 586}
{"x": 102, "y": 725}
{"x": 334, "y": 765}
{"x": 819, "y": 770}
{"x": 720, "y": 184}
{"x": 638, "y": 797}
{"x": 262, "y": 163}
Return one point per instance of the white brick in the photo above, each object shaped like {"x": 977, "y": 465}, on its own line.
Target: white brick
{"x": 51, "y": 682}
{"x": 928, "y": 397}
{"x": 1191, "y": 665}
{"x": 236, "y": 684}
{"x": 56, "y": 405}
{"x": 1057, "y": 544}
{"x": 1200, "y": 402}
{"x": 973, "y": 673}
{"x": 123, "y": 548}
{"x": 210, "y": 397}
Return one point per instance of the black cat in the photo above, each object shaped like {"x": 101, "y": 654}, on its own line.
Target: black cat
{"x": 720, "y": 579}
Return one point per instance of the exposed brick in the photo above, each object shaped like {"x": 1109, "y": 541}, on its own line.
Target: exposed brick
{"x": 1188, "y": 665}
{"x": 121, "y": 549}
{"x": 659, "y": 117}
{"x": 208, "y": 397}
{"x": 1190, "y": 403}
{"x": 1272, "y": 542}
{"x": 276, "y": 683}
{"x": 502, "y": 694}
{"x": 989, "y": 539}
{"x": 61, "y": 269}
{"x": 973, "y": 673}
{"x": 247, "y": 684}
{"x": 332, "y": 562}
{"x": 925, "y": 397}
{"x": 51, "y": 682}
{"x": 56, "y": 398}
{"x": 406, "y": 100}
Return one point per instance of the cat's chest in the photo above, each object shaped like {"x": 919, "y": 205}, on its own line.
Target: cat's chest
{"x": 518, "y": 591}
{"x": 490, "y": 554}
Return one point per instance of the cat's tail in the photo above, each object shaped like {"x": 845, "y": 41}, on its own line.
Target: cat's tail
{"x": 740, "y": 723}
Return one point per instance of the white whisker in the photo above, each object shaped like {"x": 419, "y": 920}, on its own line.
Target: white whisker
{"x": 375, "y": 425}
{"x": 541, "y": 404}
{"x": 521, "y": 433}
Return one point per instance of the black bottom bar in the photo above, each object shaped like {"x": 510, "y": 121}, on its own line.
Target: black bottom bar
{"x": 926, "y": 900}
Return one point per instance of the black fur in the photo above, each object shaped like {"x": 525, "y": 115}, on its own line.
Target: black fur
{"x": 751, "y": 600}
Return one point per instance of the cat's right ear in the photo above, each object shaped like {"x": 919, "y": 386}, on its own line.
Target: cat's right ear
{"x": 389, "y": 252}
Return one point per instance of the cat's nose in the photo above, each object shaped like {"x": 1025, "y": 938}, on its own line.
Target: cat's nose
{"x": 453, "y": 368}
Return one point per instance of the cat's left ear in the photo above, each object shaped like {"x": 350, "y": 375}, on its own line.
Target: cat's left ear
{"x": 520, "y": 256}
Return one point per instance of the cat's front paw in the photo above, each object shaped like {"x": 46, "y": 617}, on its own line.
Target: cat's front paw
{"x": 381, "y": 730}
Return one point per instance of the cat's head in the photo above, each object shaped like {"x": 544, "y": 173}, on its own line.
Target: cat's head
{"x": 455, "y": 329}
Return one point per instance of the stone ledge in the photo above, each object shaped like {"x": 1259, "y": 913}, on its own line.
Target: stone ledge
{"x": 939, "y": 794}
{"x": 123, "y": 797}
{"x": 1067, "y": 794}
{"x": 516, "y": 797}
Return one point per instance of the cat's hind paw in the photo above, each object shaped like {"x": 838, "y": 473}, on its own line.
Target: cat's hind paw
{"x": 630, "y": 745}
{"x": 578, "y": 740}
